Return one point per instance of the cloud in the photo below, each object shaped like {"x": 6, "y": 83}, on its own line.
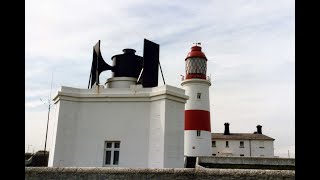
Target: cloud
{"x": 250, "y": 48}
{"x": 33, "y": 104}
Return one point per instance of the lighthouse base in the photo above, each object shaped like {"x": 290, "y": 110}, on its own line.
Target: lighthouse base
{"x": 196, "y": 144}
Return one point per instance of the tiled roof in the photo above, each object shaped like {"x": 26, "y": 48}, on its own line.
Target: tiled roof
{"x": 240, "y": 136}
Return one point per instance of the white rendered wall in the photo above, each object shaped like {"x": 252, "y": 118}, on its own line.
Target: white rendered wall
{"x": 201, "y": 144}
{"x": 54, "y": 134}
{"x": 156, "y": 134}
{"x": 194, "y": 86}
{"x": 267, "y": 151}
{"x": 166, "y": 134}
{"x": 235, "y": 150}
{"x": 87, "y": 119}
{"x": 85, "y": 126}
{"x": 174, "y": 135}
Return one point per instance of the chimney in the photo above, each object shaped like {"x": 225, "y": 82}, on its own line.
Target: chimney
{"x": 226, "y": 129}
{"x": 259, "y": 130}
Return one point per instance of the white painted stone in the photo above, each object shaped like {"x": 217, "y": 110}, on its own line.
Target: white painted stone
{"x": 197, "y": 145}
{"x": 193, "y": 145}
{"x": 148, "y": 122}
{"x": 249, "y": 145}
{"x": 194, "y": 86}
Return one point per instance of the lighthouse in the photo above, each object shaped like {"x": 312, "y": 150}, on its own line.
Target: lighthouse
{"x": 197, "y": 129}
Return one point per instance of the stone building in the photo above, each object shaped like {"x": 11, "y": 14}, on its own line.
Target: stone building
{"x": 242, "y": 144}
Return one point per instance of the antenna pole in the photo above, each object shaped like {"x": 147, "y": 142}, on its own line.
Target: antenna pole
{"x": 97, "y": 68}
{"x": 197, "y": 43}
{"x": 89, "y": 80}
{"x": 45, "y": 144}
{"x": 51, "y": 87}
{"x": 140, "y": 75}
{"x": 162, "y": 73}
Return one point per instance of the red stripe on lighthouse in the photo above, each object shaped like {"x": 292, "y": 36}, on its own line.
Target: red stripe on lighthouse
{"x": 193, "y": 75}
{"x": 197, "y": 120}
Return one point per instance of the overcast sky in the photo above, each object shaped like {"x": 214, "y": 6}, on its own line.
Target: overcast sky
{"x": 250, "y": 46}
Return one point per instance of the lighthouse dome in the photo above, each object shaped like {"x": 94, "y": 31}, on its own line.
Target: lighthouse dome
{"x": 196, "y": 64}
{"x": 196, "y": 52}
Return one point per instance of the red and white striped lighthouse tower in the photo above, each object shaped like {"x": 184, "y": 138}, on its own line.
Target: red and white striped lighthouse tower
{"x": 197, "y": 129}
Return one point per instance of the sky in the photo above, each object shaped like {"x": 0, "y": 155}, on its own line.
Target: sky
{"x": 249, "y": 44}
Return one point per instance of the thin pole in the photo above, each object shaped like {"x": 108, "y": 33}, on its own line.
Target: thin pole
{"x": 162, "y": 73}
{"x": 97, "y": 69}
{"x": 49, "y": 101}
{"x": 140, "y": 75}
{"x": 97, "y": 74}
{"x": 89, "y": 80}
{"x": 45, "y": 145}
{"x": 97, "y": 77}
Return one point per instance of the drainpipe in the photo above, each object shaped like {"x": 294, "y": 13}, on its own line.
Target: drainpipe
{"x": 250, "y": 146}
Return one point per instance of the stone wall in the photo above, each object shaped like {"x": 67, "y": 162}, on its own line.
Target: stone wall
{"x": 247, "y": 160}
{"x": 49, "y": 173}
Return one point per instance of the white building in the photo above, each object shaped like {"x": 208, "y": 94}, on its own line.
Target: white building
{"x": 125, "y": 127}
{"x": 122, "y": 124}
{"x": 242, "y": 144}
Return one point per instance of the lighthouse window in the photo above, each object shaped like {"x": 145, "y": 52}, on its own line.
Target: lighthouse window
{"x": 196, "y": 65}
{"x": 198, "y": 132}
{"x": 111, "y": 153}
{"x": 213, "y": 143}
{"x": 227, "y": 144}
{"x": 198, "y": 95}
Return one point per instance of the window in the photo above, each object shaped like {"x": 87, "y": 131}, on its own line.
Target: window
{"x": 241, "y": 154}
{"x": 196, "y": 65}
{"x": 198, "y": 132}
{"x": 213, "y": 143}
{"x": 241, "y": 144}
{"x": 227, "y": 144}
{"x": 198, "y": 95}
{"x": 213, "y": 154}
{"x": 111, "y": 153}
